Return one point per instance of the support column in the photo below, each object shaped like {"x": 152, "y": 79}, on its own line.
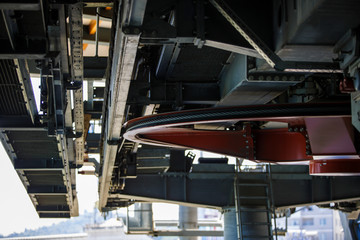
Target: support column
{"x": 146, "y": 216}
{"x": 230, "y": 227}
{"x": 143, "y": 216}
{"x": 345, "y": 224}
{"x": 188, "y": 220}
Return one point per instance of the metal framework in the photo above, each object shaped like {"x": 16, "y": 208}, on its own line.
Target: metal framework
{"x": 291, "y": 185}
{"x": 274, "y": 88}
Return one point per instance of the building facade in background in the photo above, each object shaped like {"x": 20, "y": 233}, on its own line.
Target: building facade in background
{"x": 314, "y": 223}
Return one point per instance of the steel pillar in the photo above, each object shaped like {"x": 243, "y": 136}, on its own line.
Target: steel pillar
{"x": 230, "y": 229}
{"x": 345, "y": 224}
{"x": 142, "y": 215}
{"x": 188, "y": 220}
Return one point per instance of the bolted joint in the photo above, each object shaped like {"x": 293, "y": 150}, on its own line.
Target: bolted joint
{"x": 132, "y": 30}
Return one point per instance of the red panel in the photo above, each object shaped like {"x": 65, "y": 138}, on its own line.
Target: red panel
{"x": 335, "y": 167}
{"x": 279, "y": 145}
{"x": 274, "y": 145}
{"x": 232, "y": 143}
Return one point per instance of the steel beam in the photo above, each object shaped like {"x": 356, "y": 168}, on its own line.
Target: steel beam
{"x": 203, "y": 190}
{"x": 164, "y": 60}
{"x": 21, "y": 5}
{"x": 35, "y": 49}
{"x": 53, "y": 209}
{"x": 24, "y": 79}
{"x": 190, "y": 233}
{"x": 54, "y": 215}
{"x": 63, "y": 40}
{"x": 16, "y": 122}
{"x": 232, "y": 48}
{"x": 22, "y": 55}
{"x": 292, "y": 186}
{"x": 69, "y": 175}
{"x": 11, "y": 27}
{"x": 125, "y": 48}
{"x": 47, "y": 190}
{"x": 38, "y": 164}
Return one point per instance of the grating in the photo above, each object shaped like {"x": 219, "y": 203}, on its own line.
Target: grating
{"x": 11, "y": 98}
{"x": 33, "y": 145}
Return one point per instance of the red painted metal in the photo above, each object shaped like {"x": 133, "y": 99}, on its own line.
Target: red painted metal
{"x": 280, "y": 145}
{"x": 347, "y": 85}
{"x": 273, "y": 145}
{"x": 233, "y": 143}
{"x": 306, "y": 138}
{"x": 335, "y": 167}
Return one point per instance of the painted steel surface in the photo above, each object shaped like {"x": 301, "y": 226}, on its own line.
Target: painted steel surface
{"x": 313, "y": 130}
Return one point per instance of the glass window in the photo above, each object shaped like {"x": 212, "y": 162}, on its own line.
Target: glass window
{"x": 322, "y": 236}
{"x": 308, "y": 221}
{"x": 323, "y": 221}
{"x": 294, "y": 222}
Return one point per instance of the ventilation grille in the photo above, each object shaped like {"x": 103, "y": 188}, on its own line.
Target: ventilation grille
{"x": 11, "y": 98}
